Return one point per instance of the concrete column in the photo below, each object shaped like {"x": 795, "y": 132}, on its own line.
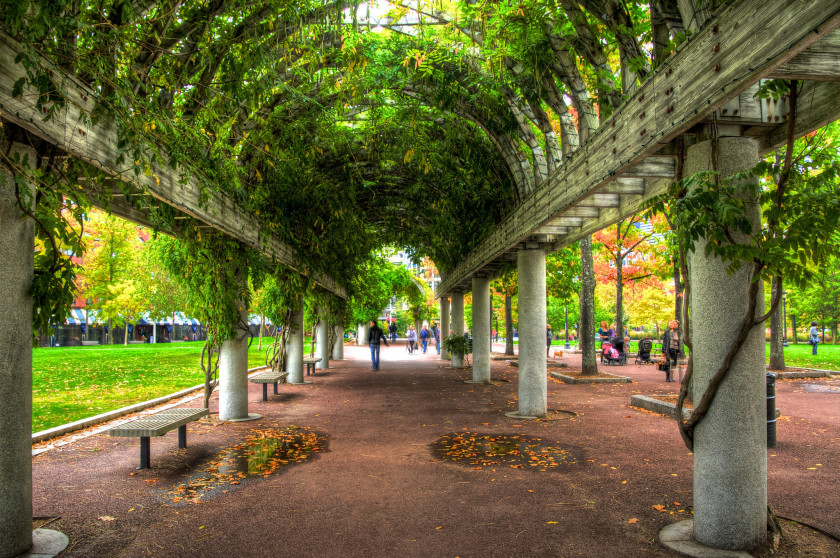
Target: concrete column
{"x": 358, "y": 335}
{"x": 730, "y": 457}
{"x": 444, "y": 326}
{"x": 338, "y": 348}
{"x": 17, "y": 246}
{"x": 323, "y": 345}
{"x": 481, "y": 330}
{"x": 457, "y": 309}
{"x": 533, "y": 382}
{"x": 233, "y": 376}
{"x": 294, "y": 348}
{"x": 363, "y": 334}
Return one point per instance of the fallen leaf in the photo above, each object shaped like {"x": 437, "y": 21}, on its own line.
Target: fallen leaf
{"x": 439, "y": 527}
{"x": 107, "y": 518}
{"x": 550, "y": 522}
{"x": 659, "y": 507}
{"x": 632, "y": 520}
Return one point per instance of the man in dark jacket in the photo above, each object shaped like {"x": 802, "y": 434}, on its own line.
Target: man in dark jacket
{"x": 436, "y": 336}
{"x": 375, "y": 336}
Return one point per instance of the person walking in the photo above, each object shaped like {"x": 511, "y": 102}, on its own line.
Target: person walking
{"x": 412, "y": 338}
{"x": 424, "y": 338}
{"x": 547, "y": 339}
{"x": 436, "y": 336}
{"x": 375, "y": 336}
{"x": 392, "y": 329}
{"x": 671, "y": 347}
{"x": 814, "y": 339}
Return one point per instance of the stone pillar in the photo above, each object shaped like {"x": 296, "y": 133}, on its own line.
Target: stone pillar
{"x": 294, "y": 348}
{"x": 533, "y": 382}
{"x": 444, "y": 326}
{"x": 361, "y": 338}
{"x": 730, "y": 457}
{"x": 338, "y": 348}
{"x": 323, "y": 344}
{"x": 457, "y": 311}
{"x": 233, "y": 376}
{"x": 358, "y": 335}
{"x": 481, "y": 330}
{"x": 17, "y": 247}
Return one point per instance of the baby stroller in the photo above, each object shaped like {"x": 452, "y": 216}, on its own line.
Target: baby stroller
{"x": 613, "y": 352}
{"x": 645, "y": 347}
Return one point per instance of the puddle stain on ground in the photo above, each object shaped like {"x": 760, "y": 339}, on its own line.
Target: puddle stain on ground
{"x": 511, "y": 450}
{"x": 263, "y": 453}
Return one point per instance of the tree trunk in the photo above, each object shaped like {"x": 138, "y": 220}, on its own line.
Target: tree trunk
{"x": 777, "y": 353}
{"x": 125, "y": 337}
{"x": 586, "y": 332}
{"x": 793, "y": 328}
{"x": 508, "y": 324}
{"x": 262, "y": 326}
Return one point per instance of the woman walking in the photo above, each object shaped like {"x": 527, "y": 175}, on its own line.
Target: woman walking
{"x": 671, "y": 347}
{"x": 814, "y": 340}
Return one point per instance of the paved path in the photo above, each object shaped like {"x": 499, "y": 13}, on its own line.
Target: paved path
{"x": 380, "y": 490}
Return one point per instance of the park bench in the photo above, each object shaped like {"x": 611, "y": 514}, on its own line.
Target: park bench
{"x": 158, "y": 424}
{"x": 269, "y": 377}
{"x": 310, "y": 363}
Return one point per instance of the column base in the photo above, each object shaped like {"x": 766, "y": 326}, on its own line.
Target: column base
{"x": 305, "y": 382}
{"x": 46, "y": 543}
{"x": 251, "y": 416}
{"x": 516, "y": 415}
{"x": 487, "y": 383}
{"x": 679, "y": 537}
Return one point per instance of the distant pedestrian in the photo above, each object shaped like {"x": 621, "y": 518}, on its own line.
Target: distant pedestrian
{"x": 412, "y": 339}
{"x": 671, "y": 347}
{"x": 424, "y": 338}
{"x": 814, "y": 339}
{"x": 547, "y": 339}
{"x": 436, "y": 336}
{"x": 375, "y": 337}
{"x": 392, "y": 329}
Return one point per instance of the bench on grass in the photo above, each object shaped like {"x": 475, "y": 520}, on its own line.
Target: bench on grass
{"x": 310, "y": 363}
{"x": 158, "y": 424}
{"x": 269, "y": 377}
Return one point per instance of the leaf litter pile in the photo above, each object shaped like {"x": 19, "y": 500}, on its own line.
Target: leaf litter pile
{"x": 513, "y": 450}
{"x": 263, "y": 453}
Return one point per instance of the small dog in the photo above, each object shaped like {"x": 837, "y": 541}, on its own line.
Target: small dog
{"x": 558, "y": 354}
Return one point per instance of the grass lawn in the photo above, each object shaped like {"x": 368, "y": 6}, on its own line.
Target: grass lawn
{"x": 71, "y": 383}
{"x": 799, "y": 356}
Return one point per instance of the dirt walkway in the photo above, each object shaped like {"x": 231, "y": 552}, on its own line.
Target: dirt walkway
{"x": 381, "y": 489}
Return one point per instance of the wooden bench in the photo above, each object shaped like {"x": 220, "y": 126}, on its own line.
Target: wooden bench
{"x": 269, "y": 377}
{"x": 310, "y": 363}
{"x": 158, "y": 424}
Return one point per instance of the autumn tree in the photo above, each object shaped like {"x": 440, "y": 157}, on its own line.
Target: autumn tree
{"x": 630, "y": 252}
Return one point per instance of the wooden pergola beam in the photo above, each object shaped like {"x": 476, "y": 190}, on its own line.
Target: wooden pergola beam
{"x": 745, "y": 41}
{"x": 73, "y": 131}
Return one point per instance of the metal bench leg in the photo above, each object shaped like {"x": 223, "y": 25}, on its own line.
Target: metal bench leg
{"x": 275, "y": 388}
{"x": 265, "y": 391}
{"x": 144, "y": 453}
{"x": 182, "y": 436}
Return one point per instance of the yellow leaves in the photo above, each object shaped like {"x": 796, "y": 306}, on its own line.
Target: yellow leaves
{"x": 633, "y": 520}
{"x": 258, "y": 175}
{"x": 267, "y": 150}
{"x": 551, "y": 523}
{"x": 439, "y": 527}
{"x": 409, "y": 155}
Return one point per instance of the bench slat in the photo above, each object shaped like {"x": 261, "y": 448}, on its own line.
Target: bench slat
{"x": 158, "y": 424}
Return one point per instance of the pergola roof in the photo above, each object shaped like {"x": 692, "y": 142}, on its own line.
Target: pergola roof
{"x": 511, "y": 148}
